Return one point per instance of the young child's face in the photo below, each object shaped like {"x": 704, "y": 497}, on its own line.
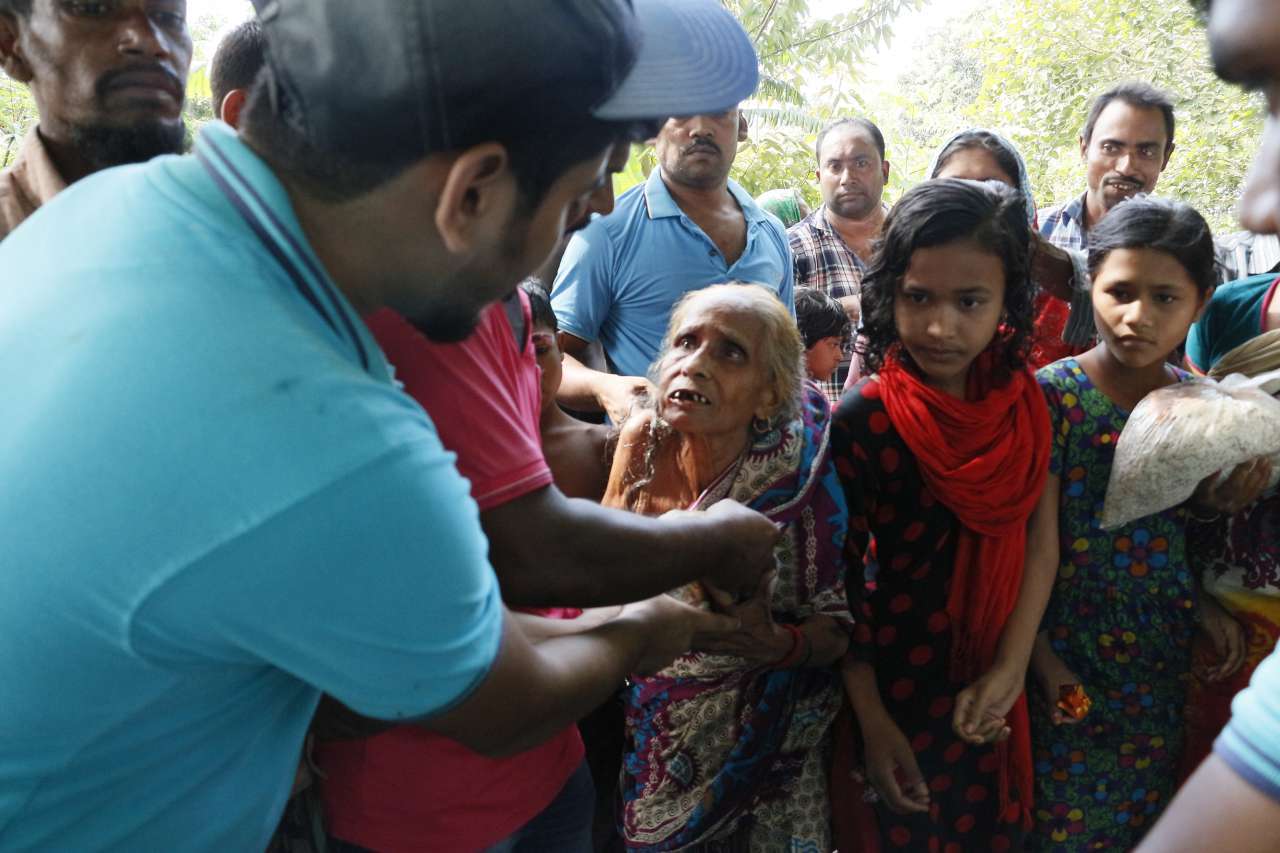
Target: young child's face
{"x": 822, "y": 359}
{"x": 1144, "y": 302}
{"x": 549, "y": 358}
{"x": 947, "y": 310}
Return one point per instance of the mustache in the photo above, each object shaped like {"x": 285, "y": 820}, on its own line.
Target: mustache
{"x": 109, "y": 79}
{"x": 701, "y": 145}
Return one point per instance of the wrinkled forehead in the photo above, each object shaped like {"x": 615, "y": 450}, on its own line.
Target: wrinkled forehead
{"x": 1244, "y": 37}
{"x": 724, "y": 311}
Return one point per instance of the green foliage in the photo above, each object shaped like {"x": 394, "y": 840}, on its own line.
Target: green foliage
{"x": 1028, "y": 68}
{"x": 17, "y": 113}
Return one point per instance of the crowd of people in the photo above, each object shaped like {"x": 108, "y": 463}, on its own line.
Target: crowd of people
{"x": 377, "y": 481}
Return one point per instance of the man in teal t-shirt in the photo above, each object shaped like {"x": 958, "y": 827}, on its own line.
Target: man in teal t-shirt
{"x": 217, "y": 502}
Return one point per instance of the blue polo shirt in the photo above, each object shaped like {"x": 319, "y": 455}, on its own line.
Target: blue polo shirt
{"x": 216, "y": 505}
{"x": 623, "y": 273}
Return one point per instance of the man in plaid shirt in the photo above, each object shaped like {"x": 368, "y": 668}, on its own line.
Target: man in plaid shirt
{"x": 1125, "y": 145}
{"x": 830, "y": 246}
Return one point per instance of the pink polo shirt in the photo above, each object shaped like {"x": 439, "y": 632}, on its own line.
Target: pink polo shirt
{"x": 408, "y": 789}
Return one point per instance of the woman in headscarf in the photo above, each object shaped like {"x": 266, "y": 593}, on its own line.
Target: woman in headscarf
{"x": 1063, "y": 327}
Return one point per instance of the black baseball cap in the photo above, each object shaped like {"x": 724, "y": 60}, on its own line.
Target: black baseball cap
{"x": 390, "y": 77}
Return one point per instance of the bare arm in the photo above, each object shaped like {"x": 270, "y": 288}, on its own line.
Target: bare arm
{"x": 534, "y": 690}
{"x": 553, "y": 551}
{"x": 538, "y": 628}
{"x": 981, "y": 707}
{"x": 1216, "y": 810}
{"x": 585, "y": 390}
{"x": 886, "y": 750}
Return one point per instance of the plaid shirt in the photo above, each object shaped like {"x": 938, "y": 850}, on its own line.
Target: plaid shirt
{"x": 824, "y": 261}
{"x": 1063, "y": 225}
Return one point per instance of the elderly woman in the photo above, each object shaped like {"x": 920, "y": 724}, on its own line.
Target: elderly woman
{"x": 726, "y": 748}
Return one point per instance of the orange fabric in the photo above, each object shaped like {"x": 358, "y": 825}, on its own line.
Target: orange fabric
{"x": 986, "y": 458}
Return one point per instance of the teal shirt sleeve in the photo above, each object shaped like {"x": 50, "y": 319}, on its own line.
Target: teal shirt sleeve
{"x": 375, "y": 589}
{"x": 1250, "y": 743}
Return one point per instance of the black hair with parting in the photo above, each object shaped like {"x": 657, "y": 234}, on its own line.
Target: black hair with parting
{"x": 987, "y": 214}
{"x": 983, "y": 140}
{"x": 1161, "y": 224}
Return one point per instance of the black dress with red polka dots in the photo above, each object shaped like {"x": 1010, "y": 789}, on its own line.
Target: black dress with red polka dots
{"x": 904, "y": 632}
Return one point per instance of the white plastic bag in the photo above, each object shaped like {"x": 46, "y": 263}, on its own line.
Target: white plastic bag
{"x": 1184, "y": 432}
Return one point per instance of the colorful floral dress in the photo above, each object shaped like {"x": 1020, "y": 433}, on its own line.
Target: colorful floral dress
{"x": 904, "y": 632}
{"x": 1121, "y": 617}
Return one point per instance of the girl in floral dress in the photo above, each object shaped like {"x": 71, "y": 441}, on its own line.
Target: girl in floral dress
{"x": 943, "y": 456}
{"x": 1125, "y": 605}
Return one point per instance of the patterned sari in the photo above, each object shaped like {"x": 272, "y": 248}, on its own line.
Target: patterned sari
{"x": 731, "y": 756}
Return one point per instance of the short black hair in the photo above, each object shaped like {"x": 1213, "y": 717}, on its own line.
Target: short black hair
{"x": 861, "y": 123}
{"x": 1135, "y": 93}
{"x": 819, "y": 315}
{"x": 237, "y": 61}
{"x": 18, "y": 8}
{"x": 988, "y": 214}
{"x": 541, "y": 147}
{"x": 1161, "y": 224}
{"x": 986, "y": 141}
{"x": 540, "y": 303}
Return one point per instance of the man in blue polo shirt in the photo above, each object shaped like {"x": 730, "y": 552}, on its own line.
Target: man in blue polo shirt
{"x": 218, "y": 504}
{"x": 687, "y": 227}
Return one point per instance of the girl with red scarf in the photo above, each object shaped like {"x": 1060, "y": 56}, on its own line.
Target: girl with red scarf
{"x": 943, "y": 453}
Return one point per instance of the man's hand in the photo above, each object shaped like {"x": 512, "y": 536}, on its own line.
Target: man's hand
{"x": 672, "y": 628}
{"x": 618, "y": 394}
{"x": 1227, "y": 637}
{"x": 746, "y": 540}
{"x": 759, "y": 641}
{"x": 1228, "y": 495}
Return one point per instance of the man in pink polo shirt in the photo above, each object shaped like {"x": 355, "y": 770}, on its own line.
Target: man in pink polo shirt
{"x": 407, "y": 789}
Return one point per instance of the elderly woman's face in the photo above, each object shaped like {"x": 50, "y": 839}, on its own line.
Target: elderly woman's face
{"x": 714, "y": 379}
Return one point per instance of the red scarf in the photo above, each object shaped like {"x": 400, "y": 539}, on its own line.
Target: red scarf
{"x": 986, "y": 458}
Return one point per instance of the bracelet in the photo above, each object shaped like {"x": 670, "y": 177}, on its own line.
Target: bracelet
{"x": 799, "y": 648}
{"x": 1200, "y": 518}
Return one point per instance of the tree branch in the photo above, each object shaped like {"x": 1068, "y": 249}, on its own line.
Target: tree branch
{"x": 861, "y": 22}
{"x": 764, "y": 22}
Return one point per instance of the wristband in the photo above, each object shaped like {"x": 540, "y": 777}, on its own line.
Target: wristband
{"x": 799, "y": 646}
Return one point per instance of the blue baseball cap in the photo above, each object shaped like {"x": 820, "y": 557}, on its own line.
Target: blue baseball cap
{"x": 694, "y": 58}
{"x": 389, "y": 77}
